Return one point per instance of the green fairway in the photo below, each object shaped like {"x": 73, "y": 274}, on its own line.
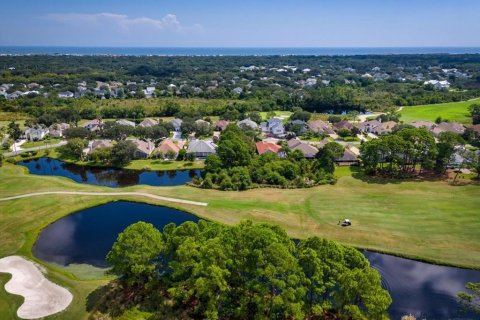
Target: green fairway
{"x": 428, "y": 220}
{"x": 453, "y": 111}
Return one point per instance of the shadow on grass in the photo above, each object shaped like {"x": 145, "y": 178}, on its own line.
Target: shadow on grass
{"x": 359, "y": 174}
{"x": 114, "y": 300}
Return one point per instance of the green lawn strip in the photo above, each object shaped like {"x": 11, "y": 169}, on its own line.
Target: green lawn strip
{"x": 9, "y": 303}
{"x": 453, "y": 111}
{"x": 42, "y": 143}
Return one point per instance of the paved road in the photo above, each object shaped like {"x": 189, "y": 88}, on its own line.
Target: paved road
{"x": 103, "y": 194}
{"x": 49, "y": 146}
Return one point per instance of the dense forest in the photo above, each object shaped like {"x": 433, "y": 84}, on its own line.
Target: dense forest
{"x": 332, "y": 84}
{"x": 249, "y": 271}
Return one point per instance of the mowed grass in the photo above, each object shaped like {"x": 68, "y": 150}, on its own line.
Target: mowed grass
{"x": 453, "y": 111}
{"x": 428, "y": 220}
{"x": 42, "y": 143}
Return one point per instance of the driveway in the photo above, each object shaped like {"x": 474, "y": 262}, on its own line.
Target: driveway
{"x": 49, "y": 146}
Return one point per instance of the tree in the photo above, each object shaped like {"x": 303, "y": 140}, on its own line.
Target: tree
{"x": 77, "y": 132}
{"x": 471, "y": 301}
{"x": 234, "y": 148}
{"x": 73, "y": 149}
{"x": 301, "y": 115}
{"x": 328, "y": 154}
{"x": 344, "y": 133}
{"x": 446, "y": 148}
{"x": 123, "y": 152}
{"x": 14, "y": 130}
{"x": 474, "y": 110}
{"x": 134, "y": 256}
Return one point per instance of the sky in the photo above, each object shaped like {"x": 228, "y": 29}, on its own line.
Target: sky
{"x": 245, "y": 23}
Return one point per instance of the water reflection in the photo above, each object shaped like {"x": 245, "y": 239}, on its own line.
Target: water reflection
{"x": 108, "y": 176}
{"x": 422, "y": 289}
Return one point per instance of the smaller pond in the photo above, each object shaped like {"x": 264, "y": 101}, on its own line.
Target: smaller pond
{"x": 88, "y": 235}
{"x": 109, "y": 177}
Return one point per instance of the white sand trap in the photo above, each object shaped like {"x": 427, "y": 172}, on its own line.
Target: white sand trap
{"x": 42, "y": 297}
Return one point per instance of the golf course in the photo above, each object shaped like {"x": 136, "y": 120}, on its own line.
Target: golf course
{"x": 425, "y": 220}
{"x": 452, "y": 111}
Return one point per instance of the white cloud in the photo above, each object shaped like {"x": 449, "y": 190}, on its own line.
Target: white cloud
{"x": 123, "y": 22}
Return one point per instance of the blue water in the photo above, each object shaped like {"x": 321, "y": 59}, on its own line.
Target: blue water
{"x": 424, "y": 290}
{"x": 108, "y": 177}
{"x": 208, "y": 51}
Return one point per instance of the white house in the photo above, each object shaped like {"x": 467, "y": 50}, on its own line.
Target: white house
{"x": 35, "y": 134}
{"x": 438, "y": 85}
{"x": 66, "y": 94}
{"x": 273, "y": 126}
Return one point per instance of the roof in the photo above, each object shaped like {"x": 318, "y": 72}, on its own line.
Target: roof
{"x": 423, "y": 124}
{"x": 476, "y": 128}
{"x": 201, "y": 146}
{"x": 125, "y": 122}
{"x": 148, "y": 123}
{"x": 176, "y": 122}
{"x": 97, "y": 144}
{"x": 263, "y": 147}
{"x": 168, "y": 145}
{"x": 144, "y": 146}
{"x": 343, "y": 125}
{"x": 222, "y": 124}
{"x": 319, "y": 126}
{"x": 308, "y": 150}
{"x": 451, "y": 127}
{"x": 248, "y": 123}
{"x": 348, "y": 156}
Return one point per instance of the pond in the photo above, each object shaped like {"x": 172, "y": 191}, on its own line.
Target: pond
{"x": 425, "y": 290}
{"x": 110, "y": 177}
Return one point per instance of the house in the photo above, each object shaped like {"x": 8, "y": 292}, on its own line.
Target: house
{"x": 221, "y": 125}
{"x": 247, "y": 124}
{"x": 148, "y": 123}
{"x": 97, "y": 144}
{"x": 56, "y": 130}
{"x": 177, "y": 124}
{"x": 273, "y": 126}
{"x": 344, "y": 124}
{"x": 448, "y": 127}
{"x": 438, "y": 85}
{"x": 66, "y": 94}
{"x": 94, "y": 125}
{"x": 149, "y": 92}
{"x": 169, "y": 146}
{"x": 144, "y": 148}
{"x": 124, "y": 122}
{"x": 238, "y": 90}
{"x": 348, "y": 158}
{"x": 319, "y": 126}
{"x": 35, "y": 133}
{"x": 423, "y": 124}
{"x": 264, "y": 147}
{"x": 476, "y": 128}
{"x": 201, "y": 148}
{"x": 368, "y": 126}
{"x": 302, "y": 125}
{"x": 384, "y": 127}
{"x": 308, "y": 150}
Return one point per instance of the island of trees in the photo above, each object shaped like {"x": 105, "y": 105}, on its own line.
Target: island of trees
{"x": 249, "y": 271}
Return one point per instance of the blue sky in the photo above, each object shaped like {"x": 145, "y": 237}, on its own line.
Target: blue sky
{"x": 246, "y": 23}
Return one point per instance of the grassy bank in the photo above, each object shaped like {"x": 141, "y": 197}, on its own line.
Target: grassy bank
{"x": 429, "y": 220}
{"x": 453, "y": 111}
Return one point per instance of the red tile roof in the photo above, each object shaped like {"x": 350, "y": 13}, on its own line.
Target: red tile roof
{"x": 263, "y": 147}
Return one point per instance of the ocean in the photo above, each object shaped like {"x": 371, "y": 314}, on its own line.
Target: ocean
{"x": 237, "y": 51}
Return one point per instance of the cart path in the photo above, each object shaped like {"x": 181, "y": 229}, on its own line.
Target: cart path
{"x": 103, "y": 194}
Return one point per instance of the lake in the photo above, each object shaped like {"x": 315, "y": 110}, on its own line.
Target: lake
{"x": 110, "y": 177}
{"x": 425, "y": 290}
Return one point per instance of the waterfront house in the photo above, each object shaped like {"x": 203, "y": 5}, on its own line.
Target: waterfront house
{"x": 201, "y": 148}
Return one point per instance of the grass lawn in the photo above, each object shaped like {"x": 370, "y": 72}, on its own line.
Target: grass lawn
{"x": 429, "y": 220}
{"x": 453, "y": 111}
{"x": 42, "y": 143}
{"x": 265, "y": 116}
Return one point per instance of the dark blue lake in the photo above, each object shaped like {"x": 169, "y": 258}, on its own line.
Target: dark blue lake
{"x": 110, "y": 177}
{"x": 424, "y": 290}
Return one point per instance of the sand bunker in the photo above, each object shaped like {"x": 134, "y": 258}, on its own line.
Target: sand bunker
{"x": 42, "y": 297}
